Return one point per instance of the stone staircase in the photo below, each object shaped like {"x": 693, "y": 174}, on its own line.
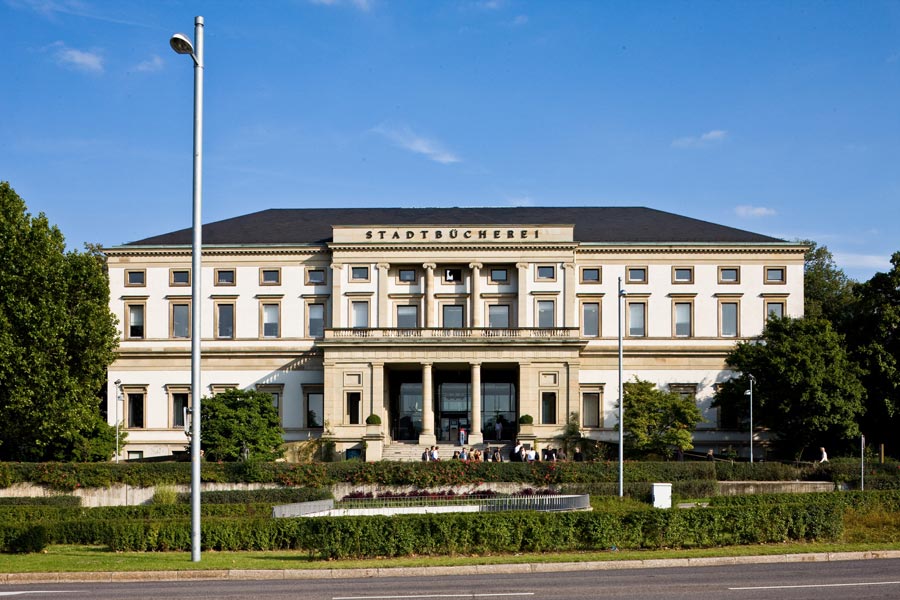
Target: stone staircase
{"x": 412, "y": 451}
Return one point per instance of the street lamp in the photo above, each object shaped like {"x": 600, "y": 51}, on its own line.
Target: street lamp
{"x": 118, "y": 384}
{"x": 182, "y": 45}
{"x": 621, "y": 297}
{"x": 750, "y": 393}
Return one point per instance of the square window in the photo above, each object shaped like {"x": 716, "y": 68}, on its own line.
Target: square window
{"x": 499, "y": 275}
{"x": 135, "y": 278}
{"x": 181, "y": 277}
{"x": 774, "y": 274}
{"x": 683, "y": 275}
{"x": 181, "y": 320}
{"x": 498, "y": 316}
{"x": 225, "y": 321}
{"x": 590, "y": 319}
{"x": 453, "y": 275}
{"x": 407, "y": 275}
{"x": 359, "y": 273}
{"x": 775, "y": 309}
{"x": 729, "y": 275}
{"x": 636, "y": 274}
{"x": 590, "y": 275}
{"x": 316, "y": 320}
{"x": 270, "y": 276}
{"x": 546, "y": 272}
{"x": 225, "y": 277}
{"x": 407, "y": 317}
{"x": 453, "y": 316}
{"x": 315, "y": 276}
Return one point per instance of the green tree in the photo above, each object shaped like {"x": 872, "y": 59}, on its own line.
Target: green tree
{"x": 828, "y": 292}
{"x": 235, "y": 420}
{"x": 656, "y": 422}
{"x": 57, "y": 338}
{"x": 807, "y": 391}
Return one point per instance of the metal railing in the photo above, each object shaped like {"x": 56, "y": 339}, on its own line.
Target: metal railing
{"x": 542, "y": 502}
{"x": 441, "y": 333}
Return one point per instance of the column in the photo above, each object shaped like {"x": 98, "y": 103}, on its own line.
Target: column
{"x": 383, "y": 304}
{"x": 522, "y": 316}
{"x": 429, "y": 294}
{"x": 376, "y": 400}
{"x": 475, "y": 309}
{"x": 569, "y": 300}
{"x": 427, "y": 436}
{"x": 337, "y": 300}
{"x": 475, "y": 434}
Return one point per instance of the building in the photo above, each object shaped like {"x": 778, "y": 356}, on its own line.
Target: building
{"x": 440, "y": 319}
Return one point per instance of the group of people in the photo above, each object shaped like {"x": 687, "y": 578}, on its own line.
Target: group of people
{"x": 467, "y": 454}
{"x": 523, "y": 453}
{"x": 519, "y": 453}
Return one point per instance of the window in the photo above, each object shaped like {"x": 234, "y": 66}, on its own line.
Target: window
{"x": 135, "y": 455}
{"x": 546, "y": 273}
{"x": 181, "y": 320}
{"x": 359, "y": 273}
{"x": 590, "y": 319}
{"x": 546, "y": 314}
{"x": 775, "y": 275}
{"x": 180, "y": 402}
{"x": 452, "y": 275}
{"x": 728, "y": 319}
{"x": 682, "y": 275}
{"x": 179, "y": 277}
{"x": 225, "y": 277}
{"x": 407, "y": 317}
{"x": 276, "y": 391}
{"x": 729, "y": 275}
{"x": 407, "y": 275}
{"x": 270, "y": 320}
{"x": 454, "y": 316}
{"x": 360, "y": 313}
{"x": 637, "y": 312}
{"x": 590, "y": 275}
{"x": 354, "y": 402}
{"x": 499, "y": 275}
{"x": 134, "y": 410}
{"x": 135, "y": 321}
{"x": 315, "y": 408}
{"x": 315, "y": 326}
{"x": 498, "y": 316}
{"x": 315, "y": 276}
{"x": 270, "y": 277}
{"x": 135, "y": 278}
{"x": 688, "y": 391}
{"x": 548, "y": 408}
{"x": 683, "y": 319}
{"x": 636, "y": 275}
{"x": 590, "y": 409}
{"x": 775, "y": 309}
{"x": 225, "y": 320}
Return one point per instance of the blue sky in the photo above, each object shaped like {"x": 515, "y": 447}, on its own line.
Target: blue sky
{"x": 781, "y": 118}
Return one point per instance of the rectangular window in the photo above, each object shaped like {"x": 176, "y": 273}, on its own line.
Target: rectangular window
{"x": 407, "y": 317}
{"x": 315, "y": 409}
{"x": 135, "y": 321}
{"x": 135, "y": 455}
{"x": 548, "y": 408}
{"x": 498, "y": 316}
{"x": 270, "y": 277}
{"x": 637, "y": 311}
{"x": 407, "y": 275}
{"x": 683, "y": 319}
{"x": 181, "y": 320}
{"x": 315, "y": 276}
{"x": 774, "y": 309}
{"x": 136, "y": 278}
{"x": 546, "y": 314}
{"x": 546, "y": 273}
{"x": 225, "y": 320}
{"x": 225, "y": 277}
{"x": 775, "y": 275}
{"x": 360, "y": 313}
{"x": 270, "y": 320}
{"x": 636, "y": 275}
{"x": 499, "y": 275}
{"x": 590, "y": 319}
{"x": 590, "y": 275}
{"x": 179, "y": 404}
{"x": 590, "y": 409}
{"x": 135, "y": 408}
{"x": 354, "y": 402}
{"x": 682, "y": 275}
{"x": 454, "y": 316}
{"x": 729, "y": 319}
{"x": 315, "y": 326}
{"x": 276, "y": 391}
{"x": 359, "y": 273}
{"x": 729, "y": 275}
{"x": 453, "y": 275}
{"x": 179, "y": 277}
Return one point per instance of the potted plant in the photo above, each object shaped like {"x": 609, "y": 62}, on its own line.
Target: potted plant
{"x": 373, "y": 424}
{"x": 526, "y": 424}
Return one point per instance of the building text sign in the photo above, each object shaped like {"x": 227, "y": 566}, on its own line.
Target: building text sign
{"x": 450, "y": 234}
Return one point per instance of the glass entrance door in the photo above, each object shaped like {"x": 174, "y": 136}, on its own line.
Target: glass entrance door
{"x": 454, "y": 406}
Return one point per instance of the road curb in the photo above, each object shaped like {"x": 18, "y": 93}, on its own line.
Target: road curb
{"x": 511, "y": 569}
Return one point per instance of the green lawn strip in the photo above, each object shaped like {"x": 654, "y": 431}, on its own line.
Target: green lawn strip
{"x": 87, "y": 559}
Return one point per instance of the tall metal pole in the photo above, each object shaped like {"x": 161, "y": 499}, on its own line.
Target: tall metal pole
{"x": 621, "y": 399}
{"x": 862, "y": 463}
{"x": 752, "y": 379}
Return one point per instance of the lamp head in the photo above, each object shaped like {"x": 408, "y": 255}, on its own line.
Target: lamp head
{"x": 181, "y": 44}
{"x": 117, "y": 382}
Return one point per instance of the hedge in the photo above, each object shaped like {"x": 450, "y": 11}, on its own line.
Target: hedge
{"x": 271, "y": 496}
{"x": 860, "y": 501}
{"x": 61, "y": 500}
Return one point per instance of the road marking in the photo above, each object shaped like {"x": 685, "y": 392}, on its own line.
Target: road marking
{"x": 504, "y": 594}
{"x": 814, "y": 585}
{"x": 37, "y": 592}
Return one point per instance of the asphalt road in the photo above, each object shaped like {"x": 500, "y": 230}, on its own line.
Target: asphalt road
{"x": 859, "y": 580}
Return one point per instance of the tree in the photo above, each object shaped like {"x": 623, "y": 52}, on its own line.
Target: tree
{"x": 656, "y": 422}
{"x": 57, "y": 338}
{"x": 828, "y": 292}
{"x": 237, "y": 424}
{"x": 807, "y": 391}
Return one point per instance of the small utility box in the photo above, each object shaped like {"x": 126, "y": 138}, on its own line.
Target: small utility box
{"x": 662, "y": 495}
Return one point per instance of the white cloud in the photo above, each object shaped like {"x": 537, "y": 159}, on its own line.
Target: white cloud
{"x": 745, "y": 211}
{"x": 81, "y": 60}
{"x": 406, "y": 138}
{"x": 709, "y": 138}
{"x": 152, "y": 64}
{"x": 862, "y": 261}
{"x": 519, "y": 20}
{"x": 51, "y": 9}
{"x": 491, "y": 4}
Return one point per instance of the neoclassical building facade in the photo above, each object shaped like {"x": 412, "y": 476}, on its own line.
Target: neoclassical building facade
{"x": 440, "y": 319}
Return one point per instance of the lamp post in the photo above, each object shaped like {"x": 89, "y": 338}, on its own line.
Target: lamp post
{"x": 750, "y": 393}
{"x": 619, "y": 299}
{"x": 118, "y": 384}
{"x": 182, "y": 45}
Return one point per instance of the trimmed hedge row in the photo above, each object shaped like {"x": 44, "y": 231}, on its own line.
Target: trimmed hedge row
{"x": 270, "y": 496}
{"x": 700, "y": 488}
{"x": 888, "y": 500}
{"x": 61, "y": 500}
{"x": 23, "y": 515}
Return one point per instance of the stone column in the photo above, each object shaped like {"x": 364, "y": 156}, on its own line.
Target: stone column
{"x": 376, "y": 398}
{"x": 569, "y": 301}
{"x": 383, "y": 305}
{"x": 337, "y": 319}
{"x": 476, "y": 436}
{"x": 427, "y": 436}
{"x": 475, "y": 309}
{"x": 521, "y": 317}
{"x": 429, "y": 295}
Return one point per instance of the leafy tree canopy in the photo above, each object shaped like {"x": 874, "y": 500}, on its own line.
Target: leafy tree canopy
{"x": 828, "y": 292}
{"x": 656, "y": 422}
{"x": 807, "y": 392}
{"x": 235, "y": 420}
{"x": 57, "y": 337}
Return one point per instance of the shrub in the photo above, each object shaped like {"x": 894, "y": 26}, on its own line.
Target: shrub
{"x": 164, "y": 495}
{"x": 373, "y": 420}
{"x": 31, "y": 538}
{"x": 526, "y": 420}
{"x": 41, "y": 501}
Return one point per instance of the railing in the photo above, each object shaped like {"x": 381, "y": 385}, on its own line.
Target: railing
{"x": 540, "y": 502}
{"x": 441, "y": 333}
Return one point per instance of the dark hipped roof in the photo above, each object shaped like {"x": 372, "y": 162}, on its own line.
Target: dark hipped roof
{"x": 592, "y": 224}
